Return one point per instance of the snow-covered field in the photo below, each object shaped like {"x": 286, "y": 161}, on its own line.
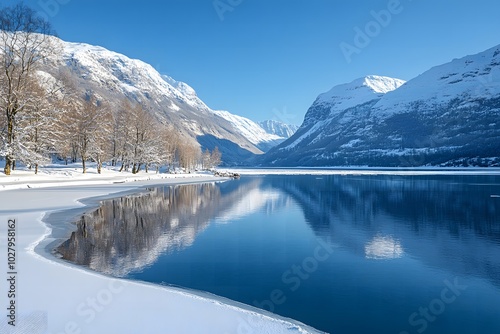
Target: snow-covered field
{"x": 52, "y": 296}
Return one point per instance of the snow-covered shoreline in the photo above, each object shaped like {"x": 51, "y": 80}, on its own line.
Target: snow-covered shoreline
{"x": 414, "y": 171}
{"x": 53, "y": 296}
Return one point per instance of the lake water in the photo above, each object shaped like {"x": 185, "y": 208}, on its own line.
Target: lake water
{"x": 344, "y": 254}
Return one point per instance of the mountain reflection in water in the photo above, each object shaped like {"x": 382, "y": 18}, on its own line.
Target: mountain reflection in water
{"x": 362, "y": 214}
{"x": 129, "y": 233}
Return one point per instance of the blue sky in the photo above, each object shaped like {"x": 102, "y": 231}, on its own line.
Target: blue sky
{"x": 270, "y": 59}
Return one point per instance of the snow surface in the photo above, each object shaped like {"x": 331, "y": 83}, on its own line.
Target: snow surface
{"x": 101, "y": 65}
{"x": 248, "y": 128}
{"x": 56, "y": 297}
{"x": 468, "y": 78}
{"x": 359, "y": 91}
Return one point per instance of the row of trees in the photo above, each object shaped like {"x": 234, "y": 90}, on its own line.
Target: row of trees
{"x": 43, "y": 117}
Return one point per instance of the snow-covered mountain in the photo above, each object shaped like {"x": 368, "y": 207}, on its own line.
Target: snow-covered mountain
{"x": 113, "y": 77}
{"x": 449, "y": 115}
{"x": 279, "y": 128}
{"x": 251, "y": 130}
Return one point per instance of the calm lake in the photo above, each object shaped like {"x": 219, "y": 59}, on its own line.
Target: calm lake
{"x": 342, "y": 253}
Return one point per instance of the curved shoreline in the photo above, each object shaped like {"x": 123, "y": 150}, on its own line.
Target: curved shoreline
{"x": 63, "y": 227}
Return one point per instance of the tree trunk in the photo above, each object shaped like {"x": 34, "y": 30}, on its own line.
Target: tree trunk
{"x": 8, "y": 165}
{"x": 121, "y": 168}
{"x": 13, "y": 164}
{"x": 99, "y": 165}
{"x": 9, "y": 159}
{"x": 36, "y": 169}
{"x": 84, "y": 165}
{"x": 136, "y": 168}
{"x": 147, "y": 168}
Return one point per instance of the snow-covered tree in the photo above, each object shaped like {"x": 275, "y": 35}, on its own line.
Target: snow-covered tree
{"x": 24, "y": 42}
{"x": 89, "y": 125}
{"x": 170, "y": 144}
{"x": 143, "y": 137}
{"x": 39, "y": 129}
{"x": 189, "y": 155}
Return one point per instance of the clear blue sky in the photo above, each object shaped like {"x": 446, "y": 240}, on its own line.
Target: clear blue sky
{"x": 270, "y": 59}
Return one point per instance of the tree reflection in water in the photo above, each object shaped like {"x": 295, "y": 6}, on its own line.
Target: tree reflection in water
{"x": 129, "y": 233}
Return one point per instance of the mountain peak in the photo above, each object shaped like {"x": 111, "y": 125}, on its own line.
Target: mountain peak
{"x": 349, "y": 95}
{"x": 382, "y": 85}
{"x": 360, "y": 91}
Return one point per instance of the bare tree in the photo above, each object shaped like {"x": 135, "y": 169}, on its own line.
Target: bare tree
{"x": 143, "y": 137}
{"x": 215, "y": 158}
{"x": 189, "y": 155}
{"x": 170, "y": 145}
{"x": 90, "y": 124}
{"x": 24, "y": 42}
{"x": 206, "y": 159}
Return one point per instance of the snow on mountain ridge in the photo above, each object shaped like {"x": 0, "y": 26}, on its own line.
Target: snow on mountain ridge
{"x": 350, "y": 95}
{"x": 471, "y": 78}
{"x": 382, "y": 85}
{"x": 279, "y": 128}
{"x": 126, "y": 73}
{"x": 359, "y": 91}
{"x": 248, "y": 128}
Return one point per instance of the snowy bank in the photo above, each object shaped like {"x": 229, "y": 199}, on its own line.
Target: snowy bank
{"x": 52, "y": 296}
{"x": 365, "y": 171}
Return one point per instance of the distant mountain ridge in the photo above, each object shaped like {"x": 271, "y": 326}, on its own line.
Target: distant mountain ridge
{"x": 447, "y": 116}
{"x": 279, "y": 128}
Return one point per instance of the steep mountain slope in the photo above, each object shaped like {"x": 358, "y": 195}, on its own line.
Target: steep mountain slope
{"x": 278, "y": 128}
{"x": 113, "y": 77}
{"x": 449, "y": 115}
